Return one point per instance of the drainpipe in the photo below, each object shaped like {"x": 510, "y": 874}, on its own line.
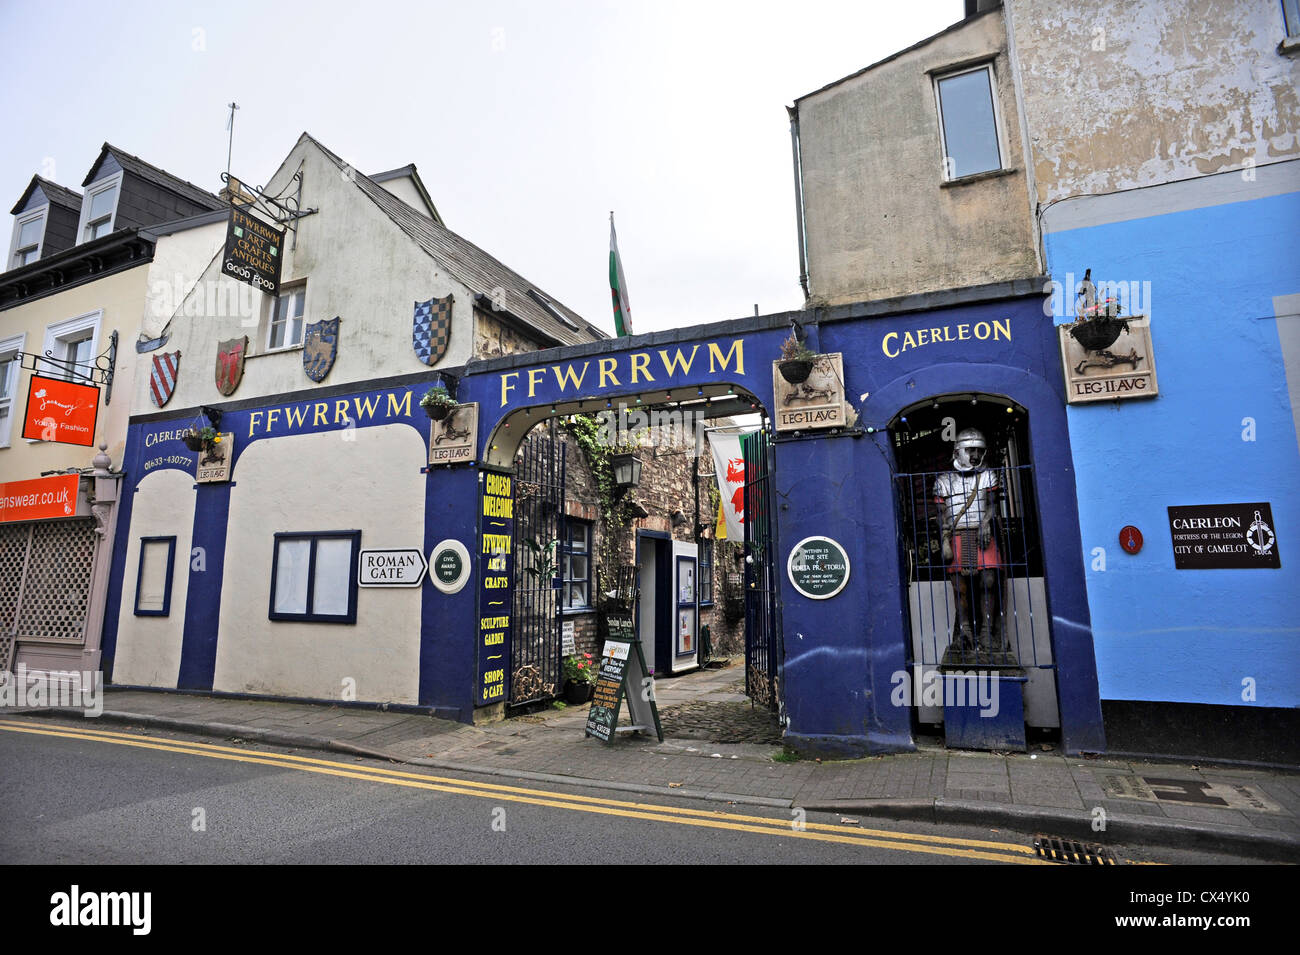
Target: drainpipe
{"x": 798, "y": 197}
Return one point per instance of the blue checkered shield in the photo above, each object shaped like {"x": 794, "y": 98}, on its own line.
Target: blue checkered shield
{"x": 431, "y": 329}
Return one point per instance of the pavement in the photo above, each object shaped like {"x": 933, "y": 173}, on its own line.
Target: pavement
{"x": 718, "y": 747}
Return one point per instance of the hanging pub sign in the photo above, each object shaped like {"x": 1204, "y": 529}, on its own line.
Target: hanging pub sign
{"x": 214, "y": 459}
{"x": 1217, "y": 536}
{"x": 253, "y": 251}
{"x": 61, "y": 411}
{"x": 1107, "y": 356}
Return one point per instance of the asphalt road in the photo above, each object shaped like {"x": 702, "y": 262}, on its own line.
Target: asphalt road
{"x": 74, "y": 795}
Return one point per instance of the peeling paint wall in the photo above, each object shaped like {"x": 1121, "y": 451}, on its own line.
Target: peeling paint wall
{"x": 1122, "y": 95}
{"x": 879, "y": 219}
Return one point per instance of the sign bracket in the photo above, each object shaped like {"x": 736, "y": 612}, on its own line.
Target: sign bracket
{"x": 98, "y": 372}
{"x": 284, "y": 209}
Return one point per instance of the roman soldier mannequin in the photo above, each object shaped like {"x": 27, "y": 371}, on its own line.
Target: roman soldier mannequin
{"x": 967, "y": 498}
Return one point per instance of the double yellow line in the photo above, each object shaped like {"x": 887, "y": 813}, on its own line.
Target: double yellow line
{"x": 975, "y": 849}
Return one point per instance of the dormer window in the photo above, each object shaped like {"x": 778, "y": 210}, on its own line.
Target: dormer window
{"x": 99, "y": 208}
{"x": 29, "y": 231}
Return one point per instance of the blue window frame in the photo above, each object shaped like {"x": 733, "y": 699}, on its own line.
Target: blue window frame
{"x": 153, "y": 577}
{"x": 576, "y": 565}
{"x": 314, "y": 576}
{"x": 706, "y": 570}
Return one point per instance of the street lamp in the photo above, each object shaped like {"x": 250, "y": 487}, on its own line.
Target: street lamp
{"x": 627, "y": 470}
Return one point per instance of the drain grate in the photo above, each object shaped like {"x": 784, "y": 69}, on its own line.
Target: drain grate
{"x": 1070, "y": 852}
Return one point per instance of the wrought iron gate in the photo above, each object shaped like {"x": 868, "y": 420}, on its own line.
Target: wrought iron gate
{"x": 763, "y": 649}
{"x": 536, "y": 672}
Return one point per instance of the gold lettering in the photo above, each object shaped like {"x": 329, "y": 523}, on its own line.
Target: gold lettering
{"x": 607, "y": 366}
{"x": 983, "y": 325}
{"x": 639, "y": 361}
{"x": 320, "y": 413}
{"x": 371, "y": 403}
{"x": 252, "y": 421}
{"x": 270, "y": 419}
{"x": 533, "y": 375}
{"x": 567, "y": 376}
{"x": 884, "y": 345}
{"x": 677, "y": 361}
{"x": 936, "y": 334}
{"x": 396, "y": 407}
{"x": 920, "y": 337}
{"x": 340, "y": 410}
{"x": 506, "y": 386}
{"x": 737, "y": 349}
{"x": 908, "y": 341}
{"x": 962, "y": 332}
{"x": 296, "y": 420}
{"x": 1003, "y": 326}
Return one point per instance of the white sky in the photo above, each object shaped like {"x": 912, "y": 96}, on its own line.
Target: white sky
{"x": 529, "y": 122}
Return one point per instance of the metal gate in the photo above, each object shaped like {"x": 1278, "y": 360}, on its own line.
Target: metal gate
{"x": 763, "y": 650}
{"x": 536, "y": 672}
{"x": 45, "y": 570}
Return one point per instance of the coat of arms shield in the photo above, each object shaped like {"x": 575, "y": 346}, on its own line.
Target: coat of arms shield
{"x": 431, "y": 329}
{"x": 320, "y": 347}
{"x": 162, "y": 376}
{"x": 230, "y": 364}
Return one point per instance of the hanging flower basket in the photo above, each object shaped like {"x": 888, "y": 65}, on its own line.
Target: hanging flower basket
{"x": 437, "y": 403}
{"x": 200, "y": 439}
{"x": 192, "y": 441}
{"x": 795, "y": 370}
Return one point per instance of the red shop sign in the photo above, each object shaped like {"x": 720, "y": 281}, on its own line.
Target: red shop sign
{"x": 62, "y": 411}
{"x": 38, "y": 498}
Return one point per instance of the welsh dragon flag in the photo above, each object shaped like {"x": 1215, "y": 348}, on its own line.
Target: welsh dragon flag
{"x": 618, "y": 286}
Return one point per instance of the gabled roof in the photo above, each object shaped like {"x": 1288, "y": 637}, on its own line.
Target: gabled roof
{"x": 408, "y": 170}
{"x": 472, "y": 266}
{"x": 58, "y": 195}
{"x": 159, "y": 177}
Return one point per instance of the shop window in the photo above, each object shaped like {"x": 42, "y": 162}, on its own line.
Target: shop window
{"x": 285, "y": 328}
{"x": 29, "y": 233}
{"x": 706, "y": 571}
{"x": 153, "y": 578}
{"x": 968, "y": 125}
{"x": 577, "y": 566}
{"x": 9, "y": 349}
{"x": 314, "y": 577}
{"x": 99, "y": 208}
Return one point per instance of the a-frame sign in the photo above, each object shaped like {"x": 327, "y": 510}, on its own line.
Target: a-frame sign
{"x": 622, "y": 677}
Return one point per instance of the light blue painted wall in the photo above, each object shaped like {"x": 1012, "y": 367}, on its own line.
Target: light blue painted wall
{"x": 1193, "y": 635}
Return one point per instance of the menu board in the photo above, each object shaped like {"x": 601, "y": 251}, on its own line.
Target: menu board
{"x": 622, "y": 667}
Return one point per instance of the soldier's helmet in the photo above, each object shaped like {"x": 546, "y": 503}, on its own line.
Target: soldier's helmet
{"x": 967, "y": 440}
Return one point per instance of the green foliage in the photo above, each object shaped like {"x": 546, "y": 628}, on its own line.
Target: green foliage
{"x": 437, "y": 396}
{"x": 785, "y": 756}
{"x": 580, "y": 668}
{"x": 792, "y": 350}
{"x": 590, "y": 437}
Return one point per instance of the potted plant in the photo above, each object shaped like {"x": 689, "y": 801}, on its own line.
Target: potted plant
{"x": 796, "y": 362}
{"x": 437, "y": 403}
{"x": 201, "y": 439}
{"x": 580, "y": 675}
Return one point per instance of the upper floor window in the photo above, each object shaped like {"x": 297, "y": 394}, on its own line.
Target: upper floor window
{"x": 99, "y": 208}
{"x": 968, "y": 122}
{"x": 9, "y": 349}
{"x": 29, "y": 231}
{"x": 72, "y": 346}
{"x": 286, "y": 319}
{"x": 1291, "y": 14}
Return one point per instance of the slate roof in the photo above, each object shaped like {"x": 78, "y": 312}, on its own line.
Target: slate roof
{"x": 159, "y": 177}
{"x": 473, "y": 267}
{"x": 58, "y": 195}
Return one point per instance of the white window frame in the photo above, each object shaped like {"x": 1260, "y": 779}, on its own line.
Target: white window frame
{"x": 95, "y": 188}
{"x": 567, "y": 553}
{"x": 40, "y": 212}
{"x": 9, "y": 347}
{"x": 298, "y": 288}
{"x": 59, "y": 335}
{"x": 938, "y": 78}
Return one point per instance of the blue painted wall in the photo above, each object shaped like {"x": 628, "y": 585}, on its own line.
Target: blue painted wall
{"x": 1193, "y": 635}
